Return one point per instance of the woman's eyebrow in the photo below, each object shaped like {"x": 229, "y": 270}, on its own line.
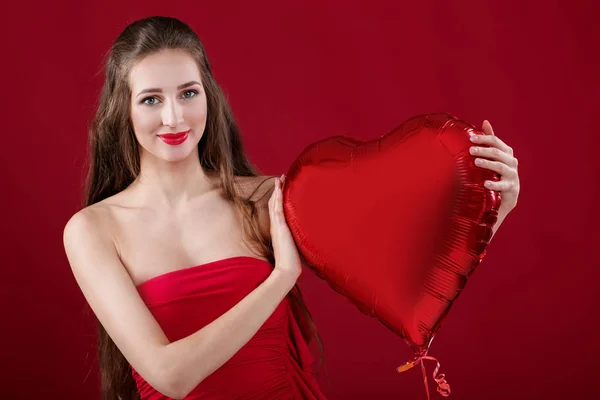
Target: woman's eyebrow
{"x": 190, "y": 83}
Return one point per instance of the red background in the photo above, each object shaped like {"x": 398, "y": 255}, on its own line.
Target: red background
{"x": 296, "y": 72}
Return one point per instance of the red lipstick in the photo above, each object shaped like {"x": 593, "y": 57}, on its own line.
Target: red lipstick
{"x": 174, "y": 139}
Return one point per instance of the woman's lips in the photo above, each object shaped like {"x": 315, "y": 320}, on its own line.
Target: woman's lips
{"x": 174, "y": 139}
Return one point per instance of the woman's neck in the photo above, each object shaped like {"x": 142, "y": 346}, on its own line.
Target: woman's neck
{"x": 171, "y": 185}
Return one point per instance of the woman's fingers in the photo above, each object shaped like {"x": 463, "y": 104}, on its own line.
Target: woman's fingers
{"x": 279, "y": 203}
{"x": 275, "y": 205}
{"x": 280, "y": 213}
{"x": 271, "y": 202}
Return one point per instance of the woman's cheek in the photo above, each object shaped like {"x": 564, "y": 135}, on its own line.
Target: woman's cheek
{"x": 197, "y": 115}
{"x": 145, "y": 122}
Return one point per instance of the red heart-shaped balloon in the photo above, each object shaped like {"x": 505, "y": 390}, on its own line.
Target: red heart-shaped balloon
{"x": 395, "y": 224}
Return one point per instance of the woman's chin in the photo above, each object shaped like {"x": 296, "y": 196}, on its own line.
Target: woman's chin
{"x": 177, "y": 155}
{"x": 172, "y": 154}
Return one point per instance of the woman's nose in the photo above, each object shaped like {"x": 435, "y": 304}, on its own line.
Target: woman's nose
{"x": 172, "y": 114}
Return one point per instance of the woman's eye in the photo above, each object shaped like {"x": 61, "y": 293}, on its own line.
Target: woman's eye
{"x": 188, "y": 94}
{"x": 145, "y": 101}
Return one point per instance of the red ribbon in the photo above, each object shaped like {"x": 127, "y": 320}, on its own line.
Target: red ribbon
{"x": 443, "y": 387}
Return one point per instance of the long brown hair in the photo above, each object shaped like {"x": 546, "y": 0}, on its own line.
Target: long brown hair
{"x": 114, "y": 162}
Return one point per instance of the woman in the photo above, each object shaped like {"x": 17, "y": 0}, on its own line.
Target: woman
{"x": 182, "y": 250}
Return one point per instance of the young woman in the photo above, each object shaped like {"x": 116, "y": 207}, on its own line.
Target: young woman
{"x": 182, "y": 250}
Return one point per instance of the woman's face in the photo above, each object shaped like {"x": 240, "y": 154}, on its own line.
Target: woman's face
{"x": 167, "y": 97}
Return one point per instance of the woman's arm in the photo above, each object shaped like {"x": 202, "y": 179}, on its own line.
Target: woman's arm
{"x": 173, "y": 369}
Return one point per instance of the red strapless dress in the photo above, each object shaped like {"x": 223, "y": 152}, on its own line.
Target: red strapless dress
{"x": 275, "y": 364}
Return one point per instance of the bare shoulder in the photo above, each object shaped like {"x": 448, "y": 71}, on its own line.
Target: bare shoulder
{"x": 82, "y": 222}
{"x": 92, "y": 219}
{"x": 98, "y": 218}
{"x": 92, "y": 225}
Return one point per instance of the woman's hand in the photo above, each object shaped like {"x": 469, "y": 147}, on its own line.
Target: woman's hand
{"x": 500, "y": 158}
{"x": 287, "y": 259}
